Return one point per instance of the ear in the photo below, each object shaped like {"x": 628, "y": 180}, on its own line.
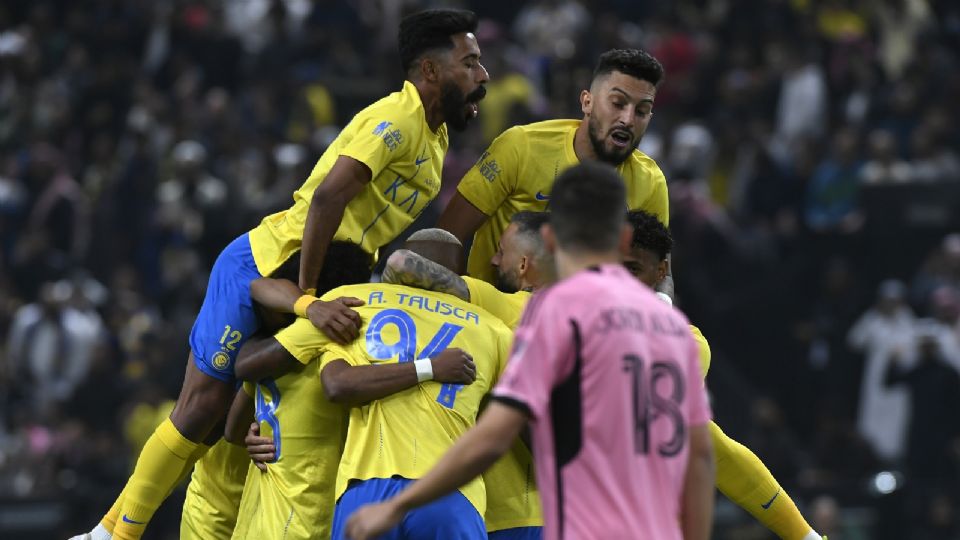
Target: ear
{"x": 430, "y": 69}
{"x": 586, "y": 101}
{"x": 626, "y": 238}
{"x": 661, "y": 270}
{"x": 549, "y": 238}
{"x": 524, "y": 265}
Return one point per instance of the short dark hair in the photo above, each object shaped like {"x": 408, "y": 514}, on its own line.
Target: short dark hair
{"x": 633, "y": 62}
{"x": 431, "y": 29}
{"x": 588, "y": 207}
{"x": 530, "y": 222}
{"x": 649, "y": 233}
{"x": 345, "y": 263}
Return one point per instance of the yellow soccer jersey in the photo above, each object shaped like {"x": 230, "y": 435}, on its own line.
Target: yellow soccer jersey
{"x": 405, "y": 158}
{"x": 517, "y": 172}
{"x": 214, "y": 492}
{"x": 512, "y": 496}
{"x": 294, "y": 498}
{"x": 703, "y": 347}
{"x": 406, "y": 433}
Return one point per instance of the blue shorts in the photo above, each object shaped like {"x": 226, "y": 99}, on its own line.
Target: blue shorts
{"x": 448, "y": 518}
{"x": 517, "y": 533}
{"x": 226, "y": 318}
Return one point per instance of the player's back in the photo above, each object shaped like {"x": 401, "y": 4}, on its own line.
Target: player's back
{"x": 405, "y": 433}
{"x": 611, "y": 439}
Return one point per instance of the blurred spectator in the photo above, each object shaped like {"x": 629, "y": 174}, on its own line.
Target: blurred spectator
{"x": 884, "y": 334}
{"x": 942, "y": 268}
{"x": 884, "y": 166}
{"x": 833, "y": 190}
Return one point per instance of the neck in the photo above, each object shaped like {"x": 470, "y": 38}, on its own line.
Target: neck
{"x": 432, "y": 109}
{"x": 537, "y": 279}
{"x": 571, "y": 262}
{"x": 582, "y": 146}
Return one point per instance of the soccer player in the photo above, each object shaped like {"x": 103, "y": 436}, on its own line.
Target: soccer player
{"x": 370, "y": 184}
{"x": 607, "y": 376}
{"x": 518, "y": 169}
{"x": 741, "y": 476}
{"x": 394, "y": 439}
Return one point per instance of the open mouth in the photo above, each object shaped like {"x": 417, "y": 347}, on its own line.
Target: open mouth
{"x": 621, "y": 138}
{"x": 473, "y": 109}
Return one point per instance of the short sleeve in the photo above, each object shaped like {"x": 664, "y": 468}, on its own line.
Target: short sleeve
{"x": 542, "y": 355}
{"x": 379, "y": 141}
{"x": 658, "y": 203}
{"x": 494, "y": 177}
{"x": 302, "y": 340}
{"x": 703, "y": 349}
{"x": 336, "y": 352}
{"x": 698, "y": 412}
{"x": 506, "y": 307}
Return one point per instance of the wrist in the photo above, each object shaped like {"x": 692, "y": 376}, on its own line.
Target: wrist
{"x": 665, "y": 297}
{"x": 302, "y": 303}
{"x": 424, "y": 369}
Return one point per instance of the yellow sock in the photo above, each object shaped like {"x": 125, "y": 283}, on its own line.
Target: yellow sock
{"x": 160, "y": 467}
{"x": 745, "y": 480}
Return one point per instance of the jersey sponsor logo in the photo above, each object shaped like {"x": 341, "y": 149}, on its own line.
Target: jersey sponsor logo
{"x": 220, "y": 360}
{"x": 540, "y": 196}
{"x": 489, "y": 168}
{"x": 128, "y": 520}
{"x": 391, "y": 137}
{"x": 767, "y": 506}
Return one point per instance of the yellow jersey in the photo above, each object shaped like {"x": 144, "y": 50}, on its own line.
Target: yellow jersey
{"x": 391, "y": 137}
{"x": 214, "y": 492}
{"x": 294, "y": 498}
{"x": 703, "y": 347}
{"x": 517, "y": 172}
{"x": 406, "y": 433}
{"x": 512, "y": 496}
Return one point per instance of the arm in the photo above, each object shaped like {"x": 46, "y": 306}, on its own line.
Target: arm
{"x": 405, "y": 267}
{"x": 261, "y": 358}
{"x": 357, "y": 385}
{"x": 345, "y": 180}
{"x": 239, "y": 418}
{"x": 472, "y": 454}
{"x": 698, "y": 491}
{"x": 335, "y": 319}
{"x": 461, "y": 218}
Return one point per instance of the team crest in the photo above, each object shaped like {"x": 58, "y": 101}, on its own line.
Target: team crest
{"x": 221, "y": 360}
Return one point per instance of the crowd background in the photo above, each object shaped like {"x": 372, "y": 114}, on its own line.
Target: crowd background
{"x": 813, "y": 156}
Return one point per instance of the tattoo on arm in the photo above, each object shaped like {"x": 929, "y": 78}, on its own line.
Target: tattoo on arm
{"x": 405, "y": 267}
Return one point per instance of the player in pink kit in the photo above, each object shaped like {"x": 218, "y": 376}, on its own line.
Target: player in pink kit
{"x": 608, "y": 377}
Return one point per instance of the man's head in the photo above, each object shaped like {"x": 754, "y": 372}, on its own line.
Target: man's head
{"x": 522, "y": 260}
{"x": 345, "y": 263}
{"x": 438, "y": 47}
{"x": 588, "y": 211}
{"x": 619, "y": 104}
{"x": 649, "y": 247}
{"x": 439, "y": 246}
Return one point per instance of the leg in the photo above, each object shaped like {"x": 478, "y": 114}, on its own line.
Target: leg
{"x": 744, "y": 479}
{"x": 452, "y": 517}
{"x": 172, "y": 449}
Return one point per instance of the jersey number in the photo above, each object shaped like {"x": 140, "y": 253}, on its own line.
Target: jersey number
{"x": 266, "y": 410}
{"x": 405, "y": 349}
{"x": 648, "y": 405}
{"x": 234, "y": 336}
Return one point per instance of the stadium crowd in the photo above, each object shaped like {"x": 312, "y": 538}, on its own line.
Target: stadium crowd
{"x": 814, "y": 177}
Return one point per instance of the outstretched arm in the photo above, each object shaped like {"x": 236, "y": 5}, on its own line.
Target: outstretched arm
{"x": 261, "y": 358}
{"x": 405, "y": 267}
{"x": 472, "y": 454}
{"x": 461, "y": 218}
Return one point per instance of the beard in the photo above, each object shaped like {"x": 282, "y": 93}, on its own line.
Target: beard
{"x": 454, "y": 105}
{"x": 612, "y": 157}
{"x": 504, "y": 282}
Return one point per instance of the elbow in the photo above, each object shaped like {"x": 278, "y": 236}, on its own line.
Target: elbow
{"x": 338, "y": 391}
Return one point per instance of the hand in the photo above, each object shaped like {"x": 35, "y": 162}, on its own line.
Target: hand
{"x": 373, "y": 520}
{"x": 336, "y": 319}
{"x": 261, "y": 449}
{"x": 454, "y": 366}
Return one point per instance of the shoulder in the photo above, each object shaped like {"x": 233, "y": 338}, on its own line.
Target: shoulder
{"x": 643, "y": 166}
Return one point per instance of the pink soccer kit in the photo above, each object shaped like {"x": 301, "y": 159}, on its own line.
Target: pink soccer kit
{"x": 610, "y": 378}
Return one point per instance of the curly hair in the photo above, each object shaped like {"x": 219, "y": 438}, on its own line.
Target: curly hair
{"x": 633, "y": 62}
{"x": 649, "y": 233}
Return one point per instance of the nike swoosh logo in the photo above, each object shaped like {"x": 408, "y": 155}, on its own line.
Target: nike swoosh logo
{"x": 418, "y": 161}
{"x": 128, "y": 520}
{"x": 541, "y": 197}
{"x": 775, "y": 495}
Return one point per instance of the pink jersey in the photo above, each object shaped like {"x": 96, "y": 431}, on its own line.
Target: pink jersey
{"x": 610, "y": 377}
